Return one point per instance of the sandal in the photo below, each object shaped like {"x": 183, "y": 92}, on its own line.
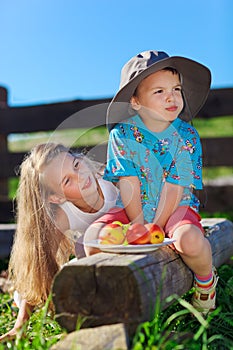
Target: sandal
{"x": 204, "y": 299}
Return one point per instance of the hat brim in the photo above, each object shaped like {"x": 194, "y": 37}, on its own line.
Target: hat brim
{"x": 195, "y": 81}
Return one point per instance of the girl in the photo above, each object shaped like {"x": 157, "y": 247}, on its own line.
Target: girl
{"x": 59, "y": 195}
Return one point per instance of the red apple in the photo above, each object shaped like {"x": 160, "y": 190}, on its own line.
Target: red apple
{"x": 112, "y": 234}
{"x": 137, "y": 234}
{"x": 157, "y": 234}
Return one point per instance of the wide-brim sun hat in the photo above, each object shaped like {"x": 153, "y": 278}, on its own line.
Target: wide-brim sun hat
{"x": 195, "y": 82}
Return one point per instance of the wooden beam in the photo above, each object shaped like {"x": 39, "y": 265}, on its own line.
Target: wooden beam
{"x": 6, "y": 239}
{"x": 89, "y": 113}
{"x": 10, "y": 162}
{"x": 218, "y": 104}
{"x": 217, "y": 198}
{"x": 216, "y": 151}
{"x": 110, "y": 288}
{"x": 46, "y": 117}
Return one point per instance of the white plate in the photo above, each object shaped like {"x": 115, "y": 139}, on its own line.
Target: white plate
{"x": 129, "y": 248}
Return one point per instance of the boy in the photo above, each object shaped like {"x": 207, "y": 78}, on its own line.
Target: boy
{"x": 155, "y": 156}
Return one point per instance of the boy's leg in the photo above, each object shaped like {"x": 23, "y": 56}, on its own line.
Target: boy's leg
{"x": 184, "y": 225}
{"x": 195, "y": 251}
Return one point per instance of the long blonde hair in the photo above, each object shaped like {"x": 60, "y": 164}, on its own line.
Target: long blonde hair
{"x": 39, "y": 248}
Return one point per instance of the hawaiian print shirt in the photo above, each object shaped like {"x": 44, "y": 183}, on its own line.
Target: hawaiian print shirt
{"x": 173, "y": 155}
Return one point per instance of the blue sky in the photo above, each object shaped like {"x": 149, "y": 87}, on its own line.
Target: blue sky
{"x": 59, "y": 50}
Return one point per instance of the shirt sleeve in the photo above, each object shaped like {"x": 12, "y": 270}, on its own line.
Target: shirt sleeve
{"x": 119, "y": 160}
{"x": 186, "y": 167}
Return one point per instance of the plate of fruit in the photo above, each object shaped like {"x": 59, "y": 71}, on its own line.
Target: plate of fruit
{"x": 130, "y": 238}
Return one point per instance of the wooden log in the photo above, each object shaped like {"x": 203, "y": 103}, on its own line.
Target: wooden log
{"x": 111, "y": 288}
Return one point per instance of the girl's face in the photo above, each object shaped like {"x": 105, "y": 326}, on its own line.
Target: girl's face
{"x": 159, "y": 99}
{"x": 69, "y": 178}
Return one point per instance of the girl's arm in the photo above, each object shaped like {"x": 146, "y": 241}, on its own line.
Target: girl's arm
{"x": 24, "y": 314}
{"x": 130, "y": 195}
{"x": 131, "y": 198}
{"x": 169, "y": 200}
{"x": 91, "y": 234}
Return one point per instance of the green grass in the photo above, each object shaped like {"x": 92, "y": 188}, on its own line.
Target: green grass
{"x": 214, "y": 127}
{"x": 215, "y": 172}
{"x": 70, "y": 138}
{"x": 41, "y": 331}
{"x": 227, "y": 215}
{"x": 182, "y": 327}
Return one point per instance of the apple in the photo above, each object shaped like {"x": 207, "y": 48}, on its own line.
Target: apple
{"x": 157, "y": 234}
{"x": 137, "y": 234}
{"x": 112, "y": 234}
{"x": 124, "y": 226}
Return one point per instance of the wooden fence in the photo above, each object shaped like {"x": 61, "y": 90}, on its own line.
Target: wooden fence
{"x": 90, "y": 114}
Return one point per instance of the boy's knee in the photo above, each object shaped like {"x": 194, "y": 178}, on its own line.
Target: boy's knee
{"x": 189, "y": 240}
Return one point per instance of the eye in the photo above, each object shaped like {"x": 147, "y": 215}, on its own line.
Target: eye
{"x": 76, "y": 163}
{"x": 66, "y": 181}
{"x": 178, "y": 88}
{"x": 160, "y": 91}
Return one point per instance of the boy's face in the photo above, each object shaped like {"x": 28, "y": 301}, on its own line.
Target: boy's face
{"x": 158, "y": 99}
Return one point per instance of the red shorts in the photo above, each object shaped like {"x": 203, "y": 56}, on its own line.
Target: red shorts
{"x": 114, "y": 214}
{"x": 182, "y": 215}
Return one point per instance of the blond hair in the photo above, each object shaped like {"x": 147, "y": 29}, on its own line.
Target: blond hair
{"x": 39, "y": 248}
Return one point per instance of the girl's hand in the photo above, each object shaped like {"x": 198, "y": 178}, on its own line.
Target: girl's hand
{"x": 24, "y": 314}
{"x": 9, "y": 335}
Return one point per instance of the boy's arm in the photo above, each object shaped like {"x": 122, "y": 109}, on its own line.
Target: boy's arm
{"x": 169, "y": 200}
{"x": 131, "y": 198}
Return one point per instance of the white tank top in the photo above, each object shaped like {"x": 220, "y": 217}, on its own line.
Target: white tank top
{"x": 79, "y": 220}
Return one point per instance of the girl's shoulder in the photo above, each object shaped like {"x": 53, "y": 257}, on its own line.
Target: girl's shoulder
{"x": 61, "y": 220}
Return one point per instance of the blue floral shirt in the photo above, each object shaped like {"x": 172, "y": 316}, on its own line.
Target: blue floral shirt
{"x": 173, "y": 155}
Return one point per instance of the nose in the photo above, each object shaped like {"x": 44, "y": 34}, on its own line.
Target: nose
{"x": 170, "y": 96}
{"x": 81, "y": 171}
{"x": 80, "y": 174}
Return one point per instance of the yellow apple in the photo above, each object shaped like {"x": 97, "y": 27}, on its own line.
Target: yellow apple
{"x": 157, "y": 234}
{"x": 112, "y": 234}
